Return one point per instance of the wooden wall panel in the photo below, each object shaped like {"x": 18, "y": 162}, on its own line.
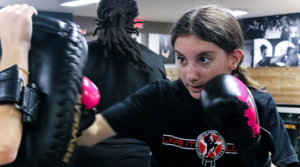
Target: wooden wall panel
{"x": 282, "y": 82}
{"x": 172, "y": 72}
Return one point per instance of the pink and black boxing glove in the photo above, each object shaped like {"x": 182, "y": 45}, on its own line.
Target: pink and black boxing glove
{"x": 229, "y": 107}
{"x": 90, "y": 99}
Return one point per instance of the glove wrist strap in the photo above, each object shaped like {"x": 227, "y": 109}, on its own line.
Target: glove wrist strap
{"x": 259, "y": 154}
{"x": 26, "y": 99}
{"x": 255, "y": 156}
{"x": 10, "y": 86}
{"x": 30, "y": 104}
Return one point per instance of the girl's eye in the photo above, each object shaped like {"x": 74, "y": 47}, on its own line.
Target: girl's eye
{"x": 204, "y": 59}
{"x": 180, "y": 59}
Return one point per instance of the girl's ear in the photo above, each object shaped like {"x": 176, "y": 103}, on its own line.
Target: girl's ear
{"x": 236, "y": 57}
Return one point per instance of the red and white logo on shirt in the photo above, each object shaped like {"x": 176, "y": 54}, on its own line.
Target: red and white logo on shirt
{"x": 209, "y": 145}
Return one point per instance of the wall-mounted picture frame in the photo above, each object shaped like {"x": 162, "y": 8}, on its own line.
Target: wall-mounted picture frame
{"x": 276, "y": 53}
{"x": 161, "y": 44}
{"x": 276, "y": 40}
{"x": 248, "y": 53}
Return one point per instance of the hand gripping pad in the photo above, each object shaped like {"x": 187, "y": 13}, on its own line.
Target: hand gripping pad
{"x": 56, "y": 61}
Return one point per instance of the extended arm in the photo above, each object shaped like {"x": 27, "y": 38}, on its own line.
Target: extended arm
{"x": 96, "y": 133}
{"x": 133, "y": 117}
{"x": 15, "y": 35}
{"x": 277, "y": 59}
{"x": 281, "y": 57}
{"x": 166, "y": 55}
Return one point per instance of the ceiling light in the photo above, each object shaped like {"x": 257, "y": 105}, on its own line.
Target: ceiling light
{"x": 239, "y": 12}
{"x": 73, "y": 3}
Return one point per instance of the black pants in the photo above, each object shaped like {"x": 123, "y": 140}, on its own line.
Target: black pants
{"x": 104, "y": 155}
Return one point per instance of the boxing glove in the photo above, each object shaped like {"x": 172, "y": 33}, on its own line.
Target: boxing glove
{"x": 90, "y": 93}
{"x": 90, "y": 99}
{"x": 229, "y": 107}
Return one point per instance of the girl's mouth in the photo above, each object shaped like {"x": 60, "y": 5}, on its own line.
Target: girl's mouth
{"x": 196, "y": 88}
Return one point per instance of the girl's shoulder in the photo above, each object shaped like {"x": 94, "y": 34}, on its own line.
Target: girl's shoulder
{"x": 264, "y": 102}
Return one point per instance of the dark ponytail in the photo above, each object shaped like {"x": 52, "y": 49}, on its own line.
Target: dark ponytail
{"x": 242, "y": 74}
{"x": 115, "y": 26}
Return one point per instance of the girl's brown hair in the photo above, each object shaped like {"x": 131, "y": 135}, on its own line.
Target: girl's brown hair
{"x": 217, "y": 25}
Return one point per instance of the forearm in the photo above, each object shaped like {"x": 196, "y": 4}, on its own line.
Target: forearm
{"x": 17, "y": 55}
{"x": 7, "y": 157}
{"x": 277, "y": 59}
{"x": 96, "y": 133}
{"x": 10, "y": 117}
{"x": 15, "y": 32}
{"x": 163, "y": 54}
{"x": 11, "y": 132}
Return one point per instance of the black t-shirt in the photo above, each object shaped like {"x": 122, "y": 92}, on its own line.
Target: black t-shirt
{"x": 117, "y": 78}
{"x": 170, "y": 121}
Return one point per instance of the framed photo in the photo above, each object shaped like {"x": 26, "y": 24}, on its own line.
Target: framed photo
{"x": 272, "y": 27}
{"x": 276, "y": 52}
{"x": 248, "y": 53}
{"x": 161, "y": 44}
{"x": 276, "y": 40}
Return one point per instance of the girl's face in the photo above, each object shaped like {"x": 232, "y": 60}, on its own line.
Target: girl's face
{"x": 199, "y": 61}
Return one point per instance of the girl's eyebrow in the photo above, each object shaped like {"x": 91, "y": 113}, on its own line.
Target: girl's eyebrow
{"x": 175, "y": 51}
{"x": 205, "y": 52}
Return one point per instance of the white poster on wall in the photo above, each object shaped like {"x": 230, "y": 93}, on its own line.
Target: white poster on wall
{"x": 138, "y": 38}
{"x": 154, "y": 42}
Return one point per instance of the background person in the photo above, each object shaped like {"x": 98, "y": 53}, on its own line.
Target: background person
{"x": 119, "y": 66}
{"x": 266, "y": 61}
